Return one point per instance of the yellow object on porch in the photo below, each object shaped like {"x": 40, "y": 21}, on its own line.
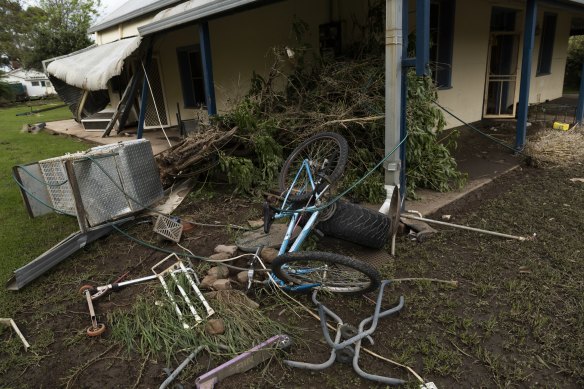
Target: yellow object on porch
{"x": 561, "y": 126}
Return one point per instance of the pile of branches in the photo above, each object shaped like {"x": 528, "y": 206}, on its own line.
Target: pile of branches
{"x": 193, "y": 155}
{"x": 304, "y": 95}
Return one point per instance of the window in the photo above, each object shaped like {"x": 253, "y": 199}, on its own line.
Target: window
{"x": 191, "y": 74}
{"x": 441, "y": 41}
{"x": 34, "y": 83}
{"x": 546, "y": 47}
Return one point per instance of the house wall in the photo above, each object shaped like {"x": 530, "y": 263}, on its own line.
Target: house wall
{"x": 470, "y": 56}
{"x": 123, "y": 30}
{"x": 241, "y": 44}
{"x": 34, "y": 91}
{"x": 469, "y": 62}
{"x": 550, "y": 86}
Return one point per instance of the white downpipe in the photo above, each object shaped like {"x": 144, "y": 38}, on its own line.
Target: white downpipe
{"x": 393, "y": 79}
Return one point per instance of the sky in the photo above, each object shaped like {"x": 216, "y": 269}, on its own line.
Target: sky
{"x": 107, "y": 6}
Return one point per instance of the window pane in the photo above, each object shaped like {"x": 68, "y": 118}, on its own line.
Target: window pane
{"x": 546, "y": 48}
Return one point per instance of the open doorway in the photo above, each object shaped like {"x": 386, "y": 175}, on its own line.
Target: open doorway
{"x": 501, "y": 82}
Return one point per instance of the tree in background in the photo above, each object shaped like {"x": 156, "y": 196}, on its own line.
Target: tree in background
{"x": 15, "y": 27}
{"x": 60, "y": 27}
{"x": 574, "y": 62}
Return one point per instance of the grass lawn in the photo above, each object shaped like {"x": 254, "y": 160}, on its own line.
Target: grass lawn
{"x": 22, "y": 239}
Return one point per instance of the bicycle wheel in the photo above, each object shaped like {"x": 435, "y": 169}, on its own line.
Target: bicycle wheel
{"x": 331, "y": 272}
{"x": 326, "y": 154}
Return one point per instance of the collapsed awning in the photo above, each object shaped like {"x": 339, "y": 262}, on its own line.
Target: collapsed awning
{"x": 91, "y": 69}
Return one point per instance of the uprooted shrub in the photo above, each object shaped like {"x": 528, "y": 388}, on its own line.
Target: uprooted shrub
{"x": 345, "y": 96}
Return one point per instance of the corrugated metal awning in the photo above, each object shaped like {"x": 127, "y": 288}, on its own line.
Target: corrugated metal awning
{"x": 93, "y": 68}
{"x": 191, "y": 11}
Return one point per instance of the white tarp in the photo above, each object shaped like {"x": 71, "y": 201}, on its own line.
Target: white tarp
{"x": 93, "y": 68}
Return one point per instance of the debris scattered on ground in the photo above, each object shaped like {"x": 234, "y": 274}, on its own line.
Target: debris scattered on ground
{"x": 226, "y": 249}
{"x": 557, "y": 147}
{"x": 197, "y": 149}
{"x": 11, "y": 323}
{"x": 33, "y": 128}
{"x": 346, "y": 346}
{"x": 242, "y": 362}
{"x": 268, "y": 254}
{"x": 422, "y": 230}
{"x": 215, "y": 327}
{"x": 218, "y": 272}
{"x": 207, "y": 282}
{"x": 577, "y": 179}
{"x": 219, "y": 257}
{"x": 221, "y": 284}
{"x": 256, "y": 223}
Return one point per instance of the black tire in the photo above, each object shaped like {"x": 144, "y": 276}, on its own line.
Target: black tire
{"x": 333, "y": 272}
{"x": 357, "y": 224}
{"x": 326, "y": 148}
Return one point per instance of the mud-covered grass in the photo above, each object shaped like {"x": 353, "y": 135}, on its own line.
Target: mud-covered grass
{"x": 515, "y": 319}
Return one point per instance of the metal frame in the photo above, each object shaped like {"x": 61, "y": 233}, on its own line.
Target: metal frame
{"x": 526, "y": 60}
{"x": 511, "y": 78}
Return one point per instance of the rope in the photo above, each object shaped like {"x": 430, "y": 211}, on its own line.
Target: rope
{"x": 492, "y": 138}
{"x": 23, "y": 168}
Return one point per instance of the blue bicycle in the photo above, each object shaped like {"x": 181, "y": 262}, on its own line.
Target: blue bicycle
{"x": 307, "y": 177}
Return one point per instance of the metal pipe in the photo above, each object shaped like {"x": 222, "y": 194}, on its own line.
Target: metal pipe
{"x": 580, "y": 108}
{"x": 423, "y": 219}
{"x": 180, "y": 367}
{"x": 393, "y": 82}
{"x": 523, "y": 105}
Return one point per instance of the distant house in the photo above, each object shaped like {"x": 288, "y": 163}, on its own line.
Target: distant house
{"x": 36, "y": 84}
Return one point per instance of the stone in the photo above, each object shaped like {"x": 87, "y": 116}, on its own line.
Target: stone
{"x": 242, "y": 277}
{"x": 218, "y": 272}
{"x": 268, "y": 254}
{"x": 222, "y": 284}
{"x": 215, "y": 327}
{"x": 207, "y": 282}
{"x": 226, "y": 249}
{"x": 219, "y": 257}
{"x": 256, "y": 223}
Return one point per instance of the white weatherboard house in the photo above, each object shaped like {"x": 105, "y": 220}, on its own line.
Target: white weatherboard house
{"x": 490, "y": 58}
{"x": 37, "y": 84}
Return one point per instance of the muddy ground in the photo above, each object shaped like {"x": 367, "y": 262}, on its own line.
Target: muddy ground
{"x": 515, "y": 319}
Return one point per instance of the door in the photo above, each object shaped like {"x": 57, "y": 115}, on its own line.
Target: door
{"x": 501, "y": 81}
{"x": 156, "y": 112}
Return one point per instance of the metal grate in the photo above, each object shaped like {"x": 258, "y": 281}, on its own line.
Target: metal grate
{"x": 168, "y": 228}
{"x": 99, "y": 187}
{"x": 56, "y": 179}
{"x": 151, "y": 119}
{"x": 138, "y": 171}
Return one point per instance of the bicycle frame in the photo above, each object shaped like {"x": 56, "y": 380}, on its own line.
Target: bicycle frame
{"x": 295, "y": 215}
